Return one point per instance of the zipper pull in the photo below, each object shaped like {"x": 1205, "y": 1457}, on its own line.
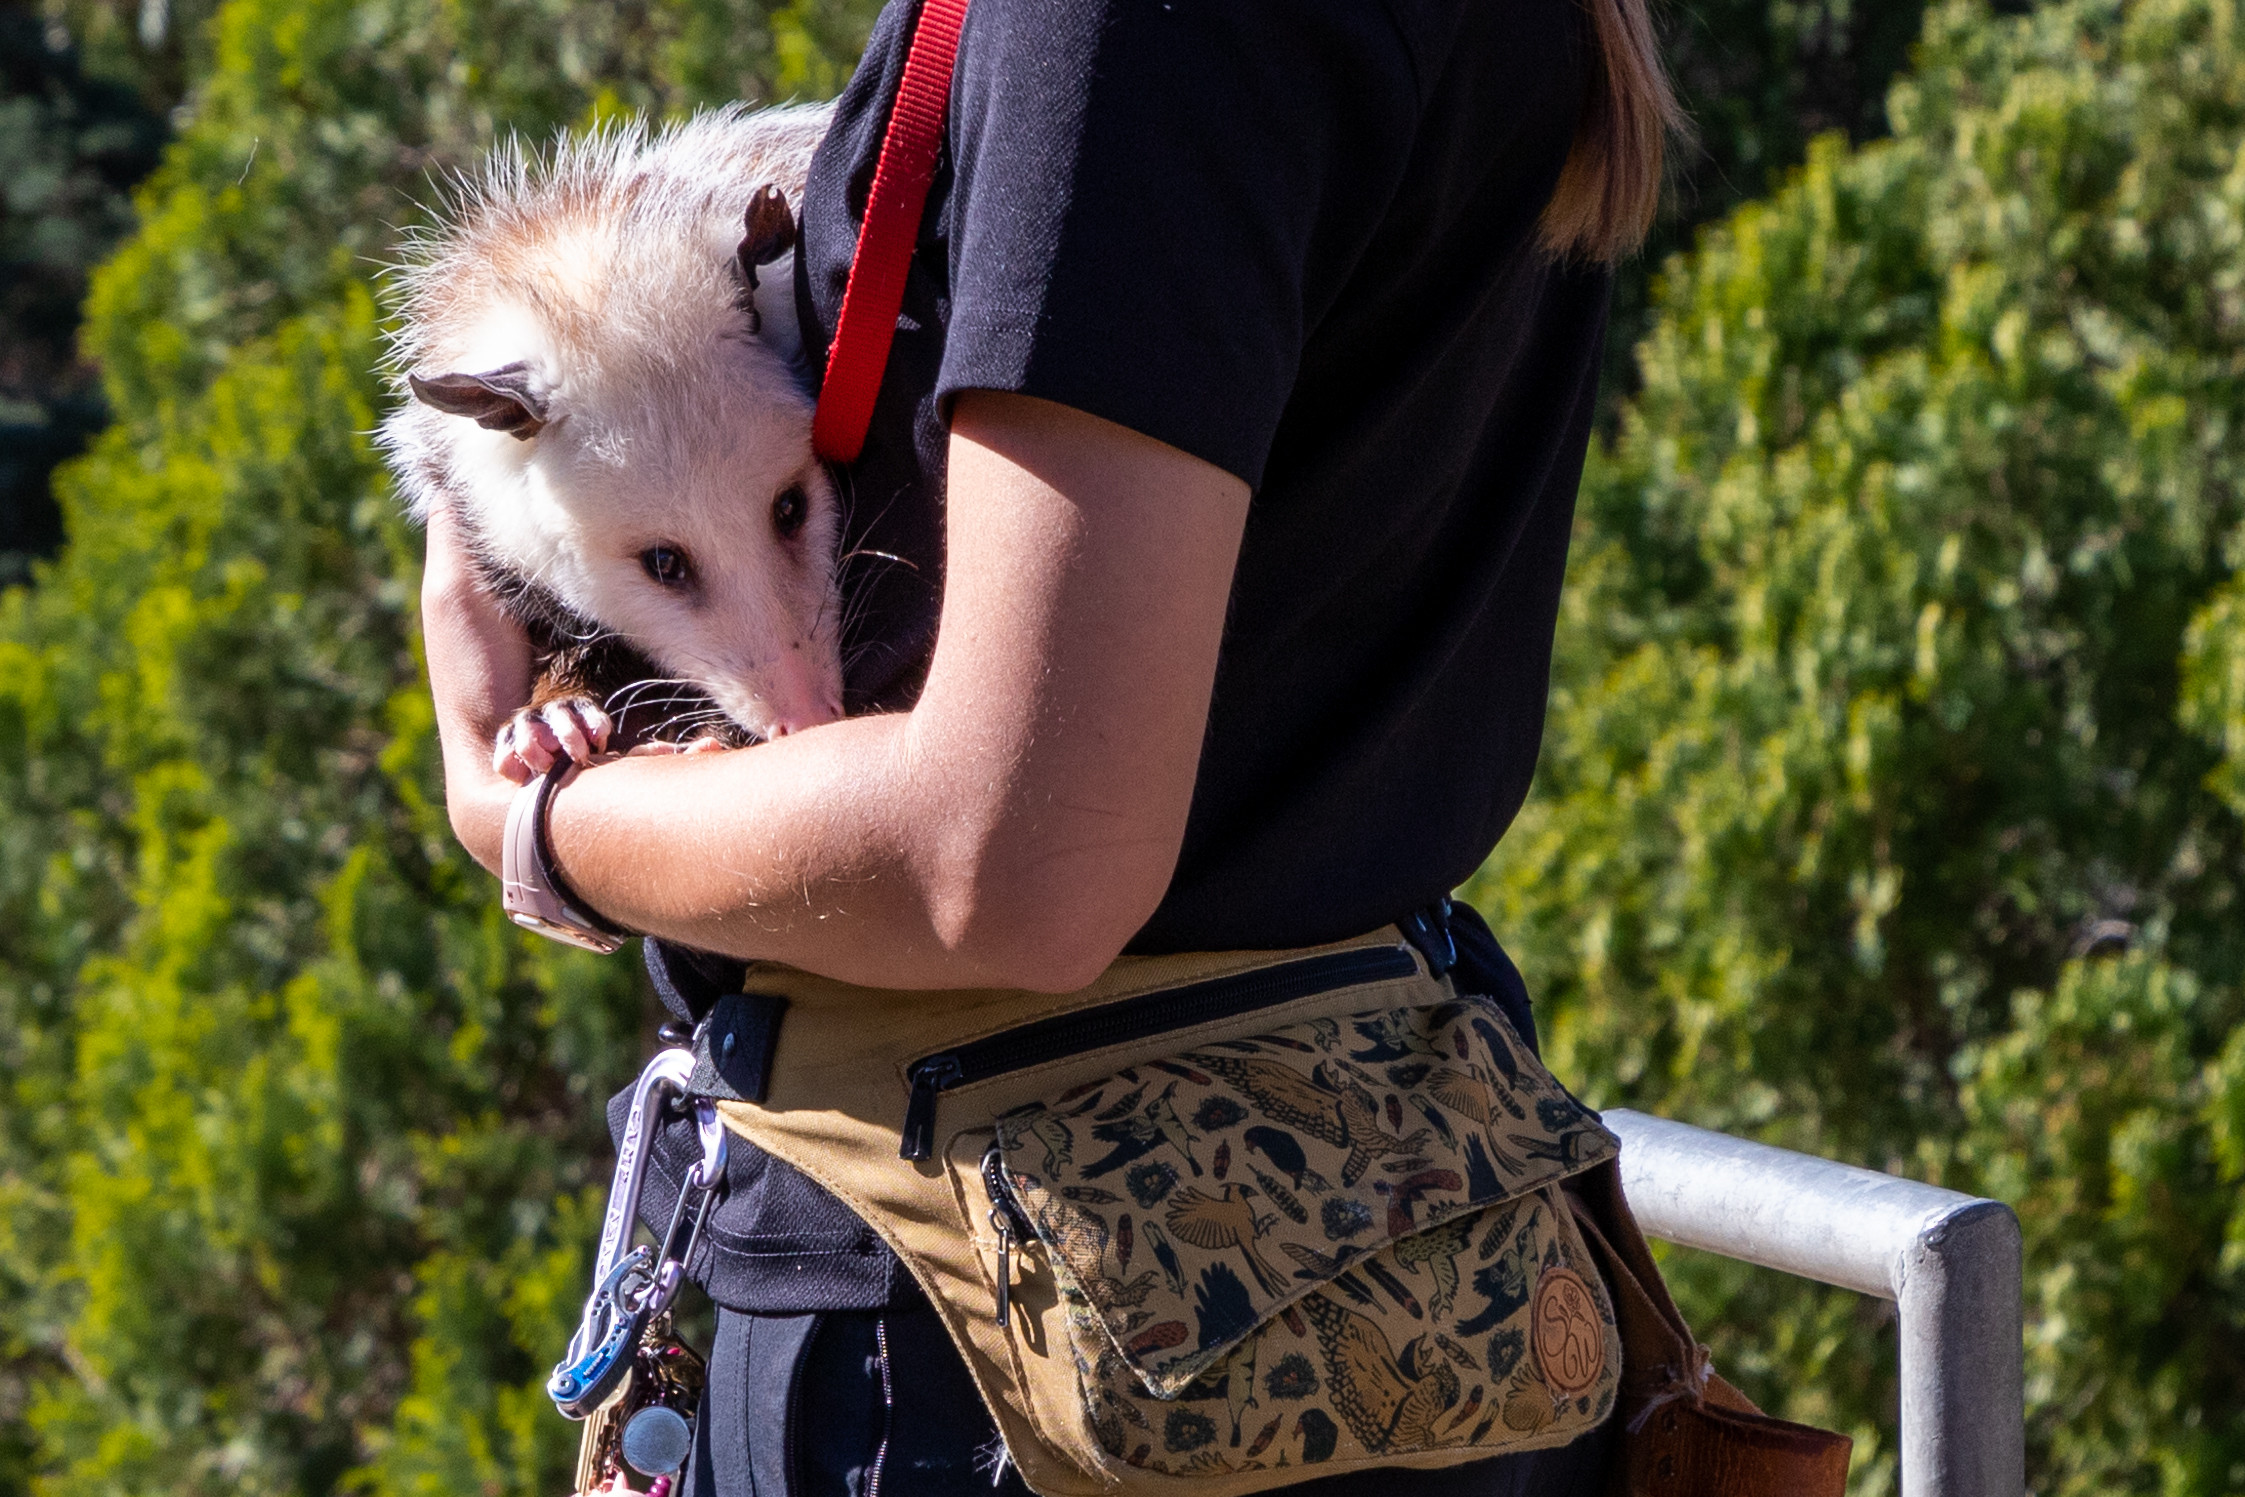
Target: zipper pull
{"x": 1004, "y": 1229}
{"x": 1006, "y": 1221}
{"x": 928, "y": 1077}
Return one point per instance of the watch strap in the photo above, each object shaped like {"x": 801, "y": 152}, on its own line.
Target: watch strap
{"x": 533, "y": 892}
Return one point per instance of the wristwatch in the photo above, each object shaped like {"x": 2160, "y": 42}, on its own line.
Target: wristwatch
{"x": 535, "y": 895}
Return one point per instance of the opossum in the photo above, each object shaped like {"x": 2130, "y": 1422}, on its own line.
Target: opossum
{"x": 598, "y": 367}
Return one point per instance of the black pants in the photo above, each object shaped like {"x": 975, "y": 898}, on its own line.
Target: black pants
{"x": 861, "y": 1403}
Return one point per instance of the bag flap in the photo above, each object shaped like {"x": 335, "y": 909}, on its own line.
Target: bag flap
{"x": 1192, "y": 1199}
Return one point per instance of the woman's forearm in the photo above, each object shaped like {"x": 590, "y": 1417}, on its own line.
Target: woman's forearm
{"x": 842, "y": 850}
{"x": 1019, "y": 824}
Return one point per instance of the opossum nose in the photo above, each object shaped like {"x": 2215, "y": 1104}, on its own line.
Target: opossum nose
{"x": 801, "y": 695}
{"x": 825, "y": 711}
{"x": 787, "y": 723}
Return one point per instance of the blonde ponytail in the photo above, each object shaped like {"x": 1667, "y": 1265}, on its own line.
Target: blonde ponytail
{"x": 1610, "y": 186}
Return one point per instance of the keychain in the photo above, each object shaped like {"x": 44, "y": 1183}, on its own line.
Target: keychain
{"x": 647, "y": 1424}
{"x": 636, "y": 1386}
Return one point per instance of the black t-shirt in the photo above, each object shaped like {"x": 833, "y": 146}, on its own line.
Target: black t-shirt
{"x": 1296, "y": 238}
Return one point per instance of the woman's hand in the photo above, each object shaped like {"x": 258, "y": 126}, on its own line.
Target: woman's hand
{"x": 479, "y": 672}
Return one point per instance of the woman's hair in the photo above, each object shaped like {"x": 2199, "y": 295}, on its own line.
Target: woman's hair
{"x": 1610, "y": 186}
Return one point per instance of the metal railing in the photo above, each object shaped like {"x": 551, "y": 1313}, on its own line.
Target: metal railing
{"x": 1950, "y": 1263}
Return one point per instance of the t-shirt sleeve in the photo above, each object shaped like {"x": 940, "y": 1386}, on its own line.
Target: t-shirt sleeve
{"x": 1155, "y": 200}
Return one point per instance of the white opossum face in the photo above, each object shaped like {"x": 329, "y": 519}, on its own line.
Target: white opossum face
{"x": 678, "y": 505}
{"x": 601, "y": 345}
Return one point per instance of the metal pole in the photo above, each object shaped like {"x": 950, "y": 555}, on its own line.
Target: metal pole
{"x": 1949, "y": 1261}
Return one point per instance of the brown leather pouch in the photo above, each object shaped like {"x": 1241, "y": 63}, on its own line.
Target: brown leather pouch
{"x": 1686, "y": 1432}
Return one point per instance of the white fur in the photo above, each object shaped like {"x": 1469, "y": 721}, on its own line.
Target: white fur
{"x": 607, "y": 266}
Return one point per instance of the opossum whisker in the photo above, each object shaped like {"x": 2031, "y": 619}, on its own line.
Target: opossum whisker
{"x": 862, "y": 651}
{"x": 848, "y": 492}
{"x": 649, "y": 683}
{"x": 878, "y": 555}
{"x": 855, "y": 614}
{"x": 627, "y": 693}
{"x": 691, "y": 702}
{"x": 690, "y": 719}
{"x": 671, "y": 704}
{"x": 855, "y": 599}
{"x": 855, "y": 610}
{"x": 696, "y": 714}
{"x": 687, "y": 721}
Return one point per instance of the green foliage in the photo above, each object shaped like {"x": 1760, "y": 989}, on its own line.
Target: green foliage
{"x": 299, "y": 1140}
{"x": 157, "y": 48}
{"x": 1889, "y": 806}
{"x": 1759, "y": 79}
{"x": 1762, "y": 78}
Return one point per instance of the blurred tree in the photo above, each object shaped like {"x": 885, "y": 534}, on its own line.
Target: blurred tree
{"x": 157, "y": 49}
{"x": 73, "y": 148}
{"x": 1889, "y": 805}
{"x": 1760, "y": 79}
{"x": 1763, "y": 79}
{"x": 299, "y": 1140}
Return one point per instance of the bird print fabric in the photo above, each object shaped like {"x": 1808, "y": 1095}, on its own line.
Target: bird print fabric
{"x": 1353, "y": 1372}
{"x": 1348, "y": 1221}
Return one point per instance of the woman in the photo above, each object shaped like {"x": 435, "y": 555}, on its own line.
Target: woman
{"x": 1227, "y": 454}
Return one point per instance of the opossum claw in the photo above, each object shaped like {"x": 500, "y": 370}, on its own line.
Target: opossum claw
{"x": 537, "y": 738}
{"x": 580, "y": 725}
{"x": 524, "y": 749}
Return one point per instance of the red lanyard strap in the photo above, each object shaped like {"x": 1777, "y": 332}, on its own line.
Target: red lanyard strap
{"x": 859, "y": 353}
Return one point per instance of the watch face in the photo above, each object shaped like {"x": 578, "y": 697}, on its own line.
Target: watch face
{"x": 590, "y": 940}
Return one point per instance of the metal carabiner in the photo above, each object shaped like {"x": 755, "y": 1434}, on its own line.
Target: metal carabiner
{"x": 614, "y": 1322}
{"x": 703, "y": 1181}
{"x": 711, "y": 1128}
{"x": 631, "y": 1289}
{"x": 664, "y": 1076}
{"x": 667, "y": 1073}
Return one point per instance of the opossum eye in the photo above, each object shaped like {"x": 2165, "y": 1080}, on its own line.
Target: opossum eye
{"x": 667, "y": 566}
{"x": 790, "y": 510}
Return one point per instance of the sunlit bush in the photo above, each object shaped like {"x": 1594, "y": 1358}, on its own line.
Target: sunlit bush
{"x": 1889, "y": 805}
{"x": 298, "y": 1137}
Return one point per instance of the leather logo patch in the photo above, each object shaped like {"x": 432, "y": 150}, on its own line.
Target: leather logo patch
{"x": 1568, "y": 1336}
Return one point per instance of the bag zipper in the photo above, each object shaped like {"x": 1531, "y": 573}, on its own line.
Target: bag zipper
{"x": 1130, "y": 1020}
{"x": 888, "y": 1409}
{"x": 1006, "y": 1221}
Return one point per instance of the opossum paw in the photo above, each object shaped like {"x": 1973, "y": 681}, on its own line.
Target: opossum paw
{"x": 537, "y": 738}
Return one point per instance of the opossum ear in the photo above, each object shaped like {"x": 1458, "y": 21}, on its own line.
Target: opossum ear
{"x": 500, "y": 400}
{"x": 771, "y": 230}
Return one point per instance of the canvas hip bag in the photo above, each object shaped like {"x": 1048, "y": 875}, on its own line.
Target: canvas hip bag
{"x": 1216, "y": 1224}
